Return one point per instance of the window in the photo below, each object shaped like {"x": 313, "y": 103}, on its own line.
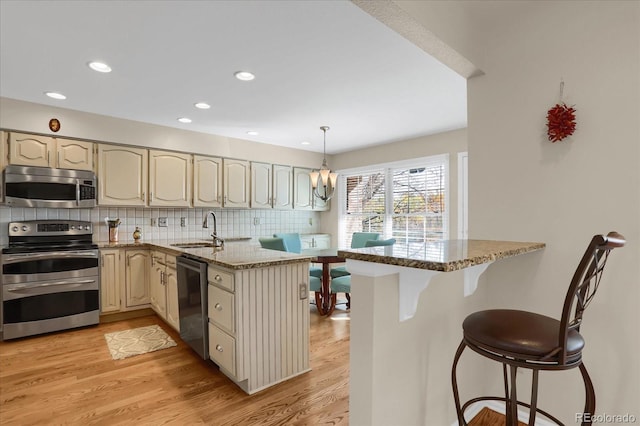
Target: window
{"x": 406, "y": 201}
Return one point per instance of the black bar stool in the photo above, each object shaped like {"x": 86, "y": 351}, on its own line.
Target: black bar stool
{"x": 537, "y": 342}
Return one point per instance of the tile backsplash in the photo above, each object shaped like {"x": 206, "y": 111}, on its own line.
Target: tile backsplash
{"x": 231, "y": 223}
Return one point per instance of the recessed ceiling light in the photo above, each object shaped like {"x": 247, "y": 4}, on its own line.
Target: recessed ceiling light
{"x": 305, "y": 143}
{"x": 184, "y": 120}
{"x": 55, "y": 95}
{"x": 99, "y": 66}
{"x": 244, "y": 75}
{"x": 253, "y": 133}
{"x": 202, "y": 105}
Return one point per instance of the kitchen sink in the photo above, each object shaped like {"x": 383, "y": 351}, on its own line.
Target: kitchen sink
{"x": 192, "y": 245}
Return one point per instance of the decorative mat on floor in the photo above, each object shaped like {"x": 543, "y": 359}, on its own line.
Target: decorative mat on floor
{"x": 123, "y": 344}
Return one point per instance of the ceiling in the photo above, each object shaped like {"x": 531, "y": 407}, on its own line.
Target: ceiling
{"x": 316, "y": 63}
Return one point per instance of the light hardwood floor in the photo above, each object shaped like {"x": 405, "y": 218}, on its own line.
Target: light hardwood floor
{"x": 70, "y": 378}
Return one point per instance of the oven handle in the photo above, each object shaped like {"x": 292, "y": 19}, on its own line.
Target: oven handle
{"x": 26, "y": 287}
{"x": 20, "y": 257}
{"x": 77, "y": 192}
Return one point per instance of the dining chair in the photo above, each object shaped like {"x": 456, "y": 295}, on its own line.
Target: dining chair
{"x": 358, "y": 240}
{"x": 342, "y": 283}
{"x": 537, "y": 342}
{"x": 277, "y": 243}
{"x": 293, "y": 243}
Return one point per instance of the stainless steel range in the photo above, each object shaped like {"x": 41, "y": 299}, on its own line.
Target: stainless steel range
{"x": 50, "y": 277}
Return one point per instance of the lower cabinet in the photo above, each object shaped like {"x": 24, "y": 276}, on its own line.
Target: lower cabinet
{"x": 124, "y": 280}
{"x": 171, "y": 284}
{"x": 136, "y": 280}
{"x": 315, "y": 241}
{"x": 259, "y": 323}
{"x": 164, "y": 288}
{"x": 111, "y": 277}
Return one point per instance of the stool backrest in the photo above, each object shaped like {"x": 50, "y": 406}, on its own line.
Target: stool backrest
{"x": 359, "y": 239}
{"x": 584, "y": 285}
{"x": 273, "y": 243}
{"x": 291, "y": 240}
{"x": 376, "y": 243}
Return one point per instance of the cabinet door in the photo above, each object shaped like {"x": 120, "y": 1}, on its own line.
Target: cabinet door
{"x": 261, "y": 186}
{"x": 282, "y": 187}
{"x": 137, "y": 278}
{"x": 30, "y": 150}
{"x": 110, "y": 279}
{"x": 302, "y": 195}
{"x": 156, "y": 285}
{"x": 207, "y": 181}
{"x": 171, "y": 284}
{"x": 74, "y": 154}
{"x": 122, "y": 176}
{"x": 169, "y": 179}
{"x": 236, "y": 183}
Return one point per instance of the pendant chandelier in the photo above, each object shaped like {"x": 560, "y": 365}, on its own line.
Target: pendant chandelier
{"x": 323, "y": 180}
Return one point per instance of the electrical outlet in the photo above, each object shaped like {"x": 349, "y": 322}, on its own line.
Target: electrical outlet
{"x": 162, "y": 222}
{"x": 183, "y": 222}
{"x": 154, "y": 222}
{"x": 302, "y": 290}
{"x": 310, "y": 221}
{"x": 256, "y": 221}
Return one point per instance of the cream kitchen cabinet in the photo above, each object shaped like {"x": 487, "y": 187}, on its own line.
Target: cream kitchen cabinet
{"x": 271, "y": 186}
{"x": 171, "y": 284}
{"x": 315, "y": 241}
{"x": 207, "y": 181}
{"x": 303, "y": 197}
{"x": 122, "y": 175}
{"x": 237, "y": 176}
{"x": 164, "y": 288}
{"x": 170, "y": 179}
{"x": 252, "y": 337}
{"x": 111, "y": 277}
{"x": 157, "y": 290}
{"x": 44, "y": 151}
{"x": 137, "y": 268}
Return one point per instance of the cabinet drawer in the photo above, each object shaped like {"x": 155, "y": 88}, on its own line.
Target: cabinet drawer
{"x": 222, "y": 349}
{"x": 221, "y": 308}
{"x": 221, "y": 278}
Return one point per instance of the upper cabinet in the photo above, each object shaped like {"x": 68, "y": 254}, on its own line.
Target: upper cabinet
{"x": 303, "y": 198}
{"x": 122, "y": 175}
{"x": 271, "y": 186}
{"x": 236, "y": 183}
{"x": 44, "y": 151}
{"x": 169, "y": 179}
{"x": 207, "y": 181}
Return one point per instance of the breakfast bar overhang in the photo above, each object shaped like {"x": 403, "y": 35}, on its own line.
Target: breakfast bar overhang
{"x": 388, "y": 353}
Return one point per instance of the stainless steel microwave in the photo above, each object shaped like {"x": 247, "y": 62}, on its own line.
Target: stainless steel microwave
{"x": 26, "y": 186}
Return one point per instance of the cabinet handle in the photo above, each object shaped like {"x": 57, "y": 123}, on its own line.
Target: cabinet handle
{"x": 127, "y": 260}
{"x": 151, "y": 197}
{"x": 48, "y": 163}
{"x": 217, "y": 278}
{"x": 143, "y": 193}
{"x": 218, "y": 307}
{"x": 163, "y": 278}
{"x": 58, "y": 158}
{"x": 219, "y": 348}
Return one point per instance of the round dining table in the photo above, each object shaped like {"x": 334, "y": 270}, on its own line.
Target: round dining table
{"x": 325, "y": 303}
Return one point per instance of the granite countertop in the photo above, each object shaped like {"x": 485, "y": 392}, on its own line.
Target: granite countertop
{"x": 445, "y": 256}
{"x": 236, "y": 254}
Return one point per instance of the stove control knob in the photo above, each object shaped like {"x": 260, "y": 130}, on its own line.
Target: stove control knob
{"x": 14, "y": 229}
{"x": 73, "y": 227}
{"x": 25, "y": 228}
{"x": 87, "y": 227}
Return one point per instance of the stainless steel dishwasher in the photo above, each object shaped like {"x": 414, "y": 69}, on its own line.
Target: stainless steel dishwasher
{"x": 192, "y": 304}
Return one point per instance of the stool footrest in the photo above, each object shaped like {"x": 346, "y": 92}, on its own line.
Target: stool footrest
{"x": 503, "y": 399}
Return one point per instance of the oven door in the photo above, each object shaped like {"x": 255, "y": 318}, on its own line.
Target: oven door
{"x": 42, "y": 307}
{"x": 20, "y": 268}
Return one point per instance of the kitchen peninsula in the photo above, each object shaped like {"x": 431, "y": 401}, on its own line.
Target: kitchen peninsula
{"x": 258, "y": 309}
{"x": 386, "y": 287}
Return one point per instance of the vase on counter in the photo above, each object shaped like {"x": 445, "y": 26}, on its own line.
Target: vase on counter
{"x": 137, "y": 234}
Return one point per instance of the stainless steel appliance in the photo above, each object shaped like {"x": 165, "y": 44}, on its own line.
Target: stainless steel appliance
{"x": 192, "y": 304}
{"x": 26, "y": 186}
{"x": 50, "y": 277}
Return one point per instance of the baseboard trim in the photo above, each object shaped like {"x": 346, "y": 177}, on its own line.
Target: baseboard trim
{"x": 120, "y": 316}
{"x": 499, "y": 407}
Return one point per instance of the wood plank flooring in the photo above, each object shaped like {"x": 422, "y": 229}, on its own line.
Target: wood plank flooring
{"x": 70, "y": 378}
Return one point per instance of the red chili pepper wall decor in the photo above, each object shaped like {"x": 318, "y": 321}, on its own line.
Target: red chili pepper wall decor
{"x": 561, "y": 122}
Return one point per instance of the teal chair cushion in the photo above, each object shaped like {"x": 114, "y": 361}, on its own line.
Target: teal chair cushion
{"x": 315, "y": 283}
{"x": 341, "y": 284}
{"x": 377, "y": 243}
{"x": 273, "y": 243}
{"x": 314, "y": 271}
{"x": 359, "y": 239}
{"x": 291, "y": 240}
{"x": 339, "y": 271}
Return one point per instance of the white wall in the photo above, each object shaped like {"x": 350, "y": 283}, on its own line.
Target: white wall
{"x": 523, "y": 187}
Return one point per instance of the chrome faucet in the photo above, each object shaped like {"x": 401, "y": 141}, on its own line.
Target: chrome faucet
{"x": 217, "y": 241}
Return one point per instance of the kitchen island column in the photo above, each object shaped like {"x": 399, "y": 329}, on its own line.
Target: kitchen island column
{"x": 391, "y": 355}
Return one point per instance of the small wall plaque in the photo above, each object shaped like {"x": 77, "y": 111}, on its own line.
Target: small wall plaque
{"x": 54, "y": 125}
